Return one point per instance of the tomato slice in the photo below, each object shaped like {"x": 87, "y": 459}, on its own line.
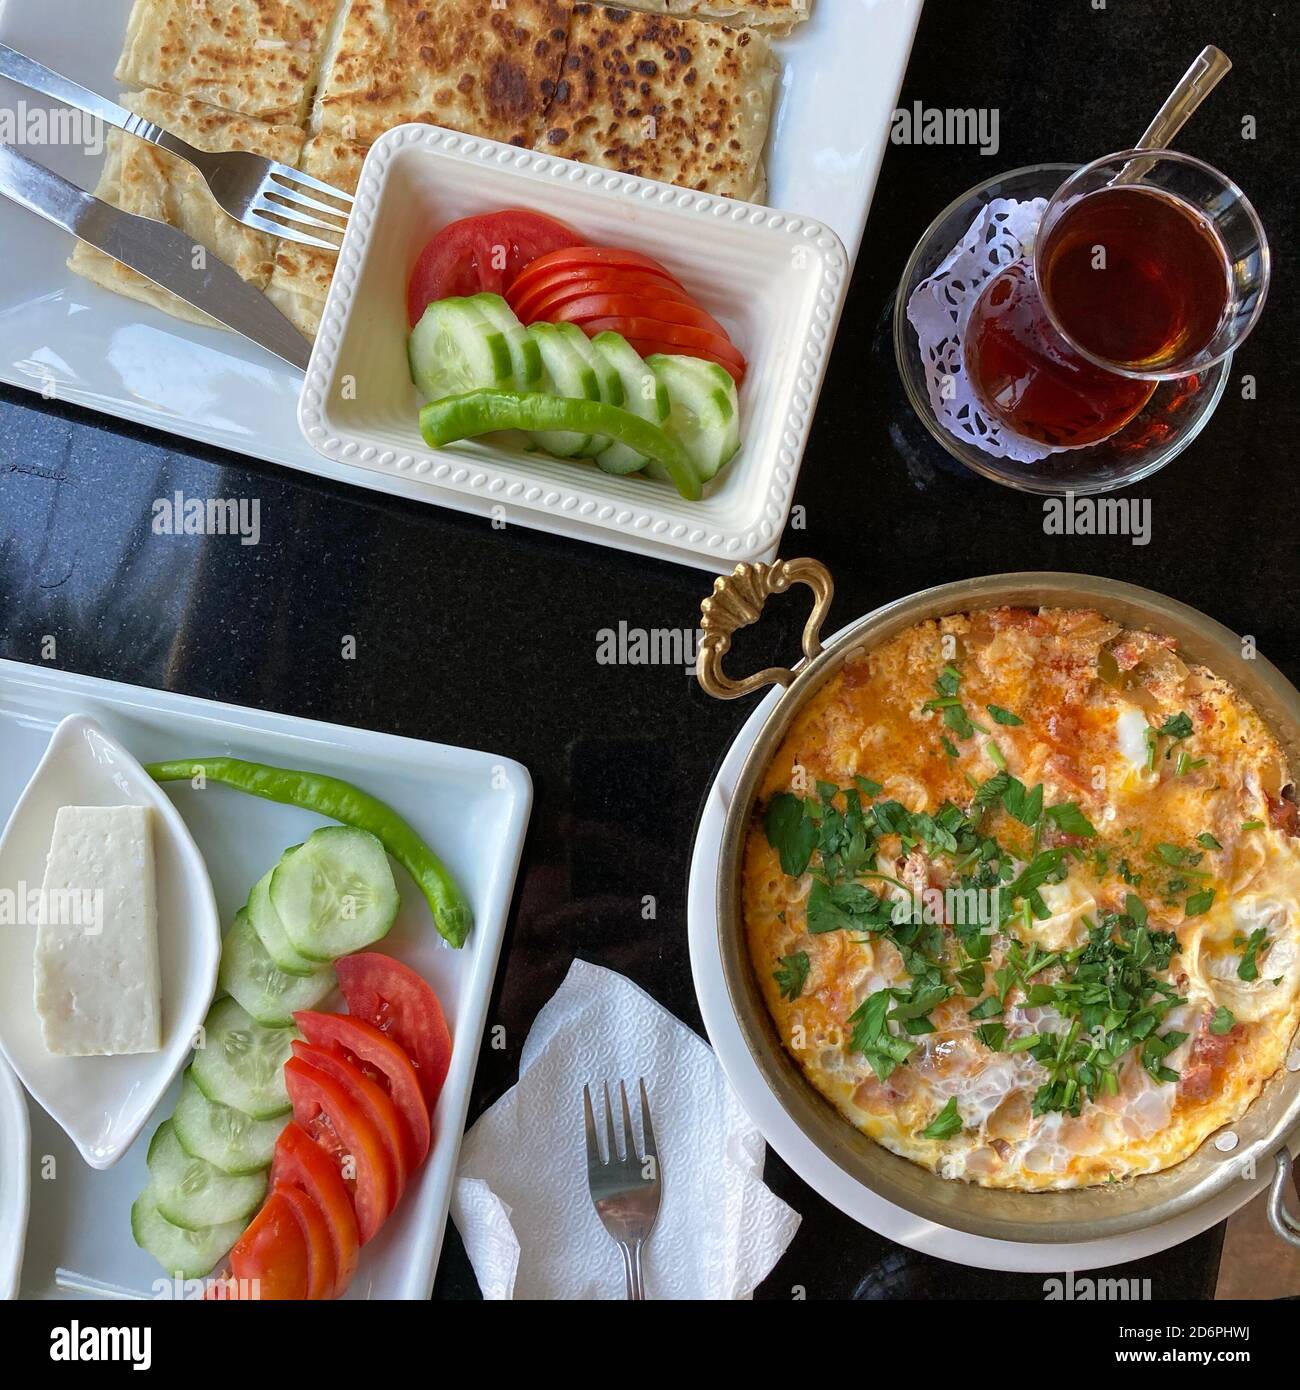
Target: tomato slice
{"x": 649, "y": 337}
{"x": 338, "y": 1124}
{"x": 398, "y": 1002}
{"x": 480, "y": 255}
{"x": 377, "y": 1056}
{"x": 572, "y": 284}
{"x": 301, "y": 1162}
{"x": 610, "y": 306}
{"x": 370, "y": 1098}
{"x": 321, "y": 1273}
{"x": 584, "y": 260}
{"x": 273, "y": 1252}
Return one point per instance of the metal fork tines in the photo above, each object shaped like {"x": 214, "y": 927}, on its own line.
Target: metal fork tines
{"x": 259, "y": 192}
{"x": 625, "y": 1191}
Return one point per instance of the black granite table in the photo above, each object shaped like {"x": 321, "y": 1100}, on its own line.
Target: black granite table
{"x": 489, "y": 638}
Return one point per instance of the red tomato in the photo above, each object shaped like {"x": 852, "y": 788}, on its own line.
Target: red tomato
{"x": 334, "y": 1120}
{"x": 563, "y": 285}
{"x": 649, "y": 337}
{"x": 370, "y": 1098}
{"x": 321, "y": 1274}
{"x": 377, "y": 1056}
{"x": 273, "y": 1252}
{"x": 397, "y": 1001}
{"x": 582, "y": 260}
{"x": 480, "y": 255}
{"x": 301, "y": 1162}
{"x": 617, "y": 306}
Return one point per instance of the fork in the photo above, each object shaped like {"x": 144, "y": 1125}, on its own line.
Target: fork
{"x": 625, "y": 1191}
{"x": 261, "y": 193}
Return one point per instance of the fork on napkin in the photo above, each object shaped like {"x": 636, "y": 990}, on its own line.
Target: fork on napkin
{"x": 521, "y": 1201}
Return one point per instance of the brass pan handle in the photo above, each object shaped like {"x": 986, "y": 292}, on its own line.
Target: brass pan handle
{"x": 1283, "y": 1223}
{"x": 737, "y": 601}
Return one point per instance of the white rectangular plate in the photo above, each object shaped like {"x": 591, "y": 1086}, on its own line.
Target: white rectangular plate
{"x": 776, "y": 282}
{"x": 64, "y": 337}
{"x": 472, "y": 807}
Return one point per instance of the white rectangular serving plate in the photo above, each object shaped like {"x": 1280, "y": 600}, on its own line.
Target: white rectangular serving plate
{"x": 472, "y": 807}
{"x": 776, "y": 282}
{"x": 68, "y": 339}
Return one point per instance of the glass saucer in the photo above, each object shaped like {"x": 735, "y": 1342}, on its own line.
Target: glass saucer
{"x": 1174, "y": 416}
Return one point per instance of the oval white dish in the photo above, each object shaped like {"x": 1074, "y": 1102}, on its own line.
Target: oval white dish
{"x": 15, "y": 1181}
{"x": 103, "y": 1102}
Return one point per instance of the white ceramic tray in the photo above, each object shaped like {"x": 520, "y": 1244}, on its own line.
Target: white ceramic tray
{"x": 473, "y": 807}
{"x": 15, "y": 1179}
{"x": 64, "y": 337}
{"x": 821, "y": 1173}
{"x": 775, "y": 281}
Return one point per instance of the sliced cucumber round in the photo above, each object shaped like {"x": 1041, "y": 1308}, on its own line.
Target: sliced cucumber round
{"x": 703, "y": 410}
{"x": 454, "y": 349}
{"x": 336, "y": 894}
{"x": 183, "y": 1254}
{"x": 524, "y": 352}
{"x": 227, "y": 1138}
{"x": 191, "y": 1192}
{"x": 564, "y": 373}
{"x": 643, "y": 394}
{"x": 270, "y": 930}
{"x": 241, "y": 1063}
{"x": 250, "y": 976}
{"x": 608, "y": 381}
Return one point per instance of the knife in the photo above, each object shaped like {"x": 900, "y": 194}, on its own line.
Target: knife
{"x": 159, "y": 252}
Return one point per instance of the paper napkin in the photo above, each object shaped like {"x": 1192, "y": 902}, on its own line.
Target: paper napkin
{"x": 521, "y": 1202}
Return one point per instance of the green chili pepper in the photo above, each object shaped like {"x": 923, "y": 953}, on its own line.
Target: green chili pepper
{"x": 340, "y": 801}
{"x": 485, "y": 411}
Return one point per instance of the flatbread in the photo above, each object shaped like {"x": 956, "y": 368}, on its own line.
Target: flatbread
{"x": 140, "y": 178}
{"x": 257, "y": 57}
{"x": 680, "y": 100}
{"x": 474, "y": 65}
{"x": 776, "y": 16}
{"x": 302, "y": 275}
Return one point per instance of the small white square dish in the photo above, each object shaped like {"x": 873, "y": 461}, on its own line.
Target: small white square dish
{"x": 471, "y": 806}
{"x": 102, "y": 1103}
{"x": 775, "y": 280}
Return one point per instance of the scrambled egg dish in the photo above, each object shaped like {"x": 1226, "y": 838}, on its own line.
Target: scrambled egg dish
{"x": 1023, "y": 895}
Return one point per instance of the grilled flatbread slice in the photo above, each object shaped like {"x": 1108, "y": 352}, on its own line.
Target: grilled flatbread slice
{"x": 302, "y": 275}
{"x": 776, "y": 16}
{"x": 680, "y": 100}
{"x": 474, "y": 65}
{"x": 139, "y": 177}
{"x": 258, "y": 57}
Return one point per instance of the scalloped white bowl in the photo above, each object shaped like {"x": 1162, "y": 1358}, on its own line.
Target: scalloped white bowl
{"x": 775, "y": 280}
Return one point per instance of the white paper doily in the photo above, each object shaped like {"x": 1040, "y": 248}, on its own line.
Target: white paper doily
{"x": 940, "y": 307}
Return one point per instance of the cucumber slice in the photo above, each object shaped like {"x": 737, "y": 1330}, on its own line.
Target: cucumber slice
{"x": 191, "y": 1192}
{"x": 564, "y": 373}
{"x": 249, "y": 975}
{"x": 336, "y": 894}
{"x": 608, "y": 381}
{"x": 524, "y": 352}
{"x": 270, "y": 929}
{"x": 704, "y": 410}
{"x": 643, "y": 394}
{"x": 453, "y": 349}
{"x": 183, "y": 1254}
{"x": 241, "y": 1063}
{"x": 227, "y": 1138}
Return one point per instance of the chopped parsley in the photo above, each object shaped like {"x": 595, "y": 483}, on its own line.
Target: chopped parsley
{"x": 945, "y": 1124}
{"x": 1207, "y": 841}
{"x": 1070, "y": 820}
{"x": 1003, "y": 716}
{"x": 1248, "y": 970}
{"x": 1199, "y": 903}
{"x": 792, "y": 974}
{"x": 1222, "y": 1022}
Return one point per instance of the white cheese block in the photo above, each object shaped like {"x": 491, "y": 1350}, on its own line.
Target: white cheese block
{"x": 96, "y": 988}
